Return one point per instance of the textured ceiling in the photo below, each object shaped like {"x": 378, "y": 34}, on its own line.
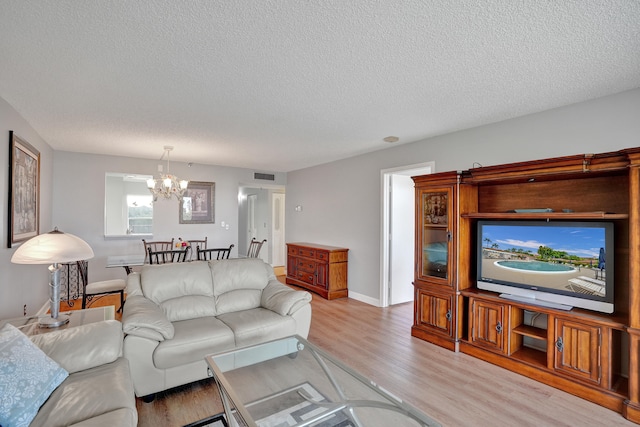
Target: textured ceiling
{"x": 282, "y": 85}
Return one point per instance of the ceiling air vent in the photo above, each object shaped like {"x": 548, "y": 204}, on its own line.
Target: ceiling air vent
{"x": 265, "y": 176}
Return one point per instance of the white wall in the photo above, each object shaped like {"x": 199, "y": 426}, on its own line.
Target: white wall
{"x": 79, "y": 204}
{"x": 22, "y": 284}
{"x": 341, "y": 200}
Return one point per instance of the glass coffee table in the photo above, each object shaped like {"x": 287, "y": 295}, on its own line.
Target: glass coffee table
{"x": 290, "y": 382}
{"x": 29, "y": 324}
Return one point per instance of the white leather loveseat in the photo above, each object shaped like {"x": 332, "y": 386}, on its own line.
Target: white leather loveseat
{"x": 176, "y": 314}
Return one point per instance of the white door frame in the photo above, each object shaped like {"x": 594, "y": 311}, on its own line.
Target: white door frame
{"x": 279, "y": 252}
{"x": 385, "y": 256}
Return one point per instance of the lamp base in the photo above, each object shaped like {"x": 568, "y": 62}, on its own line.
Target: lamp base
{"x": 50, "y": 322}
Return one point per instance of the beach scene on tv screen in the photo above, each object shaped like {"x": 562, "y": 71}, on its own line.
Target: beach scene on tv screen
{"x": 571, "y": 259}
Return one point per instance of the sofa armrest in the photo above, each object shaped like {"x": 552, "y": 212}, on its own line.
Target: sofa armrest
{"x": 144, "y": 318}
{"x": 134, "y": 288}
{"x": 83, "y": 347}
{"x": 282, "y": 299}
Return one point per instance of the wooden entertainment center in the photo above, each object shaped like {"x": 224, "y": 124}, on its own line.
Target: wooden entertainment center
{"x": 592, "y": 355}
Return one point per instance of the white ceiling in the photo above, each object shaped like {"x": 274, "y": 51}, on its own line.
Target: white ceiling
{"x": 282, "y": 85}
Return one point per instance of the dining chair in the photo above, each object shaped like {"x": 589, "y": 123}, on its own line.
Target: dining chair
{"x": 213, "y": 253}
{"x": 171, "y": 255}
{"x": 90, "y": 290}
{"x": 164, "y": 245}
{"x": 202, "y": 244}
{"x": 254, "y": 248}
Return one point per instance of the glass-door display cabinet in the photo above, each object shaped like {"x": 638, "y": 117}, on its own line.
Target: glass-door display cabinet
{"x": 436, "y": 297}
{"x": 436, "y": 236}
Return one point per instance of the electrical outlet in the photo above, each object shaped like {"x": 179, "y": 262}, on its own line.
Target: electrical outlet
{"x": 24, "y": 310}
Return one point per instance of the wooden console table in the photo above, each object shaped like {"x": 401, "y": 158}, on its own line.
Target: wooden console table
{"x": 318, "y": 268}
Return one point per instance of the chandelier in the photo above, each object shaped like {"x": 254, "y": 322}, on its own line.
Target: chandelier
{"x": 168, "y": 185}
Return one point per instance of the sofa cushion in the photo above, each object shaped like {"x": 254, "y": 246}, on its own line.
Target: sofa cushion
{"x": 183, "y": 290}
{"x": 189, "y": 307}
{"x": 27, "y": 377}
{"x": 119, "y": 417}
{"x": 238, "y": 300}
{"x": 93, "y": 344}
{"x": 192, "y": 341}
{"x": 258, "y": 325}
{"x": 90, "y": 393}
{"x": 238, "y": 283}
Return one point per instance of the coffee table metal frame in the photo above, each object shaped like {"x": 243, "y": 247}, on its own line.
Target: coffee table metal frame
{"x": 237, "y": 414}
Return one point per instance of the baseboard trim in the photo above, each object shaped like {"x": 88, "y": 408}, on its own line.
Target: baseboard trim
{"x": 364, "y": 298}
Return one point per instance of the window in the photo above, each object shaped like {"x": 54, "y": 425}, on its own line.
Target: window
{"x": 139, "y": 214}
{"x": 128, "y": 205}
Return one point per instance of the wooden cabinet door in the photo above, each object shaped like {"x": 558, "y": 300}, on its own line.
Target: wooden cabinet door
{"x": 434, "y": 312}
{"x": 488, "y": 324}
{"x": 577, "y": 350}
{"x": 435, "y": 221}
{"x": 292, "y": 265}
{"x": 322, "y": 275}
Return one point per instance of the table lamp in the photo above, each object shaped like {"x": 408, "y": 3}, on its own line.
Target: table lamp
{"x": 53, "y": 248}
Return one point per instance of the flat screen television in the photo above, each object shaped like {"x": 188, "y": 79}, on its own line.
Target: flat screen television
{"x": 556, "y": 264}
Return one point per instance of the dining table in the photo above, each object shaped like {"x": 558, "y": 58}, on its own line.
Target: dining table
{"x": 125, "y": 261}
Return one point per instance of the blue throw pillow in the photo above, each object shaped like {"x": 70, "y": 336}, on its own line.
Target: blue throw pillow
{"x": 27, "y": 378}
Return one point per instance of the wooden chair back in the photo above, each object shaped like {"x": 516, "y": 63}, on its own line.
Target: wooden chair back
{"x": 202, "y": 244}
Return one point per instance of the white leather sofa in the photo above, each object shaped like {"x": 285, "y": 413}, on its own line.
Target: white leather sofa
{"x": 176, "y": 314}
{"x": 98, "y": 390}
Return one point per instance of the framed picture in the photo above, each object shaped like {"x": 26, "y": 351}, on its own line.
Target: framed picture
{"x": 24, "y": 190}
{"x": 197, "y": 205}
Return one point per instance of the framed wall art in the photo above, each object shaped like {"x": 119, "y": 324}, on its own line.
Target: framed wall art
{"x": 197, "y": 205}
{"x": 24, "y": 190}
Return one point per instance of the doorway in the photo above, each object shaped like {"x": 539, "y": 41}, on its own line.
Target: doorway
{"x": 261, "y": 216}
{"x": 398, "y": 231}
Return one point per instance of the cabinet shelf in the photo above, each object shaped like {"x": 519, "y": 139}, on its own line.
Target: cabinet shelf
{"x": 531, "y": 331}
{"x": 531, "y": 356}
{"x": 441, "y": 226}
{"x": 546, "y": 215}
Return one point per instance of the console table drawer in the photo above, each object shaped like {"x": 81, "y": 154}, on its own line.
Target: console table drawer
{"x": 306, "y": 277}
{"x": 306, "y": 265}
{"x": 306, "y": 252}
{"x": 322, "y": 255}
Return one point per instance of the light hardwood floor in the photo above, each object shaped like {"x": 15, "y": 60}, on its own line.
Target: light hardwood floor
{"x": 453, "y": 388}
